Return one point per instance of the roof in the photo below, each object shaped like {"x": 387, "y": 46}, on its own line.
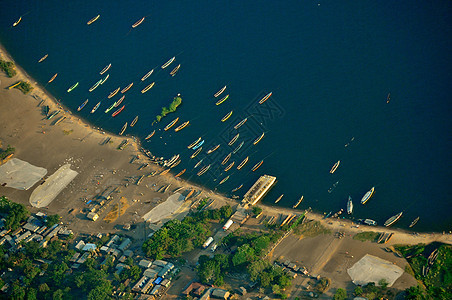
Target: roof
{"x": 89, "y": 247}
{"x": 220, "y": 293}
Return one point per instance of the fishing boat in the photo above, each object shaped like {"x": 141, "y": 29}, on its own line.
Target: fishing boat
{"x": 220, "y": 92}
{"x": 134, "y": 121}
{"x": 234, "y": 139}
{"x": 147, "y": 88}
{"x": 53, "y": 78}
{"x": 105, "y": 79}
{"x": 229, "y": 166}
{"x": 174, "y": 71}
{"x": 60, "y": 120}
{"x": 166, "y": 188}
{"x": 17, "y": 22}
{"x": 203, "y": 170}
{"x": 95, "y": 86}
{"x": 82, "y": 105}
{"x": 238, "y": 148}
{"x": 242, "y": 163}
{"x": 123, "y": 129}
{"x": 226, "y": 116}
{"x": 147, "y": 75}
{"x": 180, "y": 173}
{"x": 259, "y": 138}
{"x": 265, "y": 98}
{"x": 194, "y": 143}
{"x": 93, "y": 20}
{"x": 189, "y": 194}
{"x": 349, "y": 205}
{"x": 149, "y": 135}
{"x": 279, "y": 198}
{"x": 42, "y": 58}
{"x": 105, "y": 69}
{"x": 196, "y": 153}
{"x": 171, "y": 124}
{"x": 182, "y": 126}
{"x": 126, "y": 88}
{"x": 119, "y": 101}
{"x": 222, "y": 100}
{"x": 388, "y": 98}
{"x": 393, "y": 219}
{"x": 224, "y": 179}
{"x": 198, "y": 145}
{"x": 298, "y": 202}
{"x": 333, "y": 169}
{"x": 367, "y": 196}
{"x": 198, "y": 164}
{"x": 72, "y": 88}
{"x": 138, "y": 22}
{"x": 164, "y": 172}
{"x": 225, "y": 160}
{"x": 370, "y": 222}
{"x": 95, "y": 107}
{"x": 213, "y": 149}
{"x": 414, "y": 222}
{"x": 240, "y": 123}
{"x": 237, "y": 188}
{"x": 110, "y": 108}
{"x": 257, "y": 166}
{"x": 118, "y": 111}
{"x": 53, "y": 114}
{"x": 112, "y": 94}
{"x": 171, "y": 161}
{"x": 168, "y": 62}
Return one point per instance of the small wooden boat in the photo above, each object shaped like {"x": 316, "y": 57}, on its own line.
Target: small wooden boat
{"x": 138, "y": 22}
{"x": 42, "y": 58}
{"x": 17, "y": 22}
{"x": 150, "y": 135}
{"x": 147, "y": 75}
{"x": 93, "y": 20}
{"x": 174, "y": 71}
{"x": 105, "y": 69}
{"x": 220, "y": 92}
{"x": 53, "y": 78}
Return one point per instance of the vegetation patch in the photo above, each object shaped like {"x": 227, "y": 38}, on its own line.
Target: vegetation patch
{"x": 310, "y": 229}
{"x": 366, "y": 236}
{"x": 24, "y": 86}
{"x": 8, "y": 67}
{"x": 171, "y": 108}
{"x": 323, "y": 285}
{"x": 68, "y": 132}
{"x": 16, "y": 213}
{"x": 7, "y": 152}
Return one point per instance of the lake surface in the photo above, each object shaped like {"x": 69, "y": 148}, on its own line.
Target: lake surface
{"x": 329, "y": 64}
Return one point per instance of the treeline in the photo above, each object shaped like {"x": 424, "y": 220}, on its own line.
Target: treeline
{"x": 8, "y": 67}
{"x": 172, "y": 108}
{"x": 177, "y": 237}
{"x": 16, "y": 213}
{"x": 248, "y": 256}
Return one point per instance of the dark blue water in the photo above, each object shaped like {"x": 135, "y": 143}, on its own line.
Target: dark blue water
{"x": 330, "y": 68}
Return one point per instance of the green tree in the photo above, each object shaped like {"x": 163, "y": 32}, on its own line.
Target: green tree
{"x": 58, "y": 295}
{"x": 257, "y": 210}
{"x": 358, "y": 291}
{"x": 340, "y": 294}
{"x": 256, "y": 267}
{"x": 244, "y": 254}
{"x": 32, "y": 294}
{"x": 43, "y": 287}
{"x": 52, "y": 220}
{"x": 414, "y": 293}
{"x": 383, "y": 283}
{"x": 17, "y": 291}
{"x": 226, "y": 211}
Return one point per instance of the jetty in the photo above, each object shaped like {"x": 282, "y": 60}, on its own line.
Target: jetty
{"x": 259, "y": 189}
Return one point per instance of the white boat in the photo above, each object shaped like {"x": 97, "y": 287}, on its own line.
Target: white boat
{"x": 349, "y": 205}
{"x": 168, "y": 62}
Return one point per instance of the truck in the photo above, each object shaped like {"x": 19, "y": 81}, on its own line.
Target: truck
{"x": 208, "y": 242}
{"x": 228, "y": 224}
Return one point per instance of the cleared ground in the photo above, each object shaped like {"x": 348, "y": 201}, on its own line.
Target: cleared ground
{"x": 165, "y": 209}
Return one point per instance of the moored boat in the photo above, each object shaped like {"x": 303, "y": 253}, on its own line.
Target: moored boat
{"x": 60, "y": 120}
{"x": 134, "y": 121}
{"x": 198, "y": 145}
{"x": 196, "y": 152}
{"x": 220, "y": 92}
{"x": 225, "y": 160}
{"x": 198, "y": 164}
{"x": 165, "y": 171}
{"x": 257, "y": 166}
{"x": 53, "y": 114}
{"x": 349, "y": 205}
{"x": 259, "y": 138}
{"x": 279, "y": 198}
{"x": 95, "y": 107}
{"x": 174, "y": 71}
{"x": 72, "y": 88}
{"x": 203, "y": 170}
{"x": 226, "y": 116}
{"x": 119, "y": 101}
{"x": 118, "y": 111}
{"x": 393, "y": 219}
{"x": 194, "y": 143}
{"x": 168, "y": 62}
{"x": 138, "y": 22}
{"x": 370, "y": 222}
{"x": 367, "y": 196}
{"x": 182, "y": 126}
{"x": 42, "y": 58}
{"x": 82, "y": 105}
{"x": 105, "y": 69}
{"x": 237, "y": 188}
{"x": 240, "y": 123}
{"x": 95, "y": 86}
{"x": 113, "y": 93}
{"x": 147, "y": 75}
{"x": 124, "y": 127}
{"x": 53, "y": 78}
{"x": 238, "y": 148}
{"x": 149, "y": 135}
{"x": 171, "y": 124}
{"x": 213, "y": 149}
{"x": 105, "y": 79}
{"x": 234, "y": 139}
{"x": 17, "y": 22}
{"x": 147, "y": 88}
{"x": 265, "y": 98}
{"x": 414, "y": 222}
{"x": 242, "y": 163}
{"x": 298, "y": 202}
{"x": 224, "y": 179}
{"x": 180, "y": 173}
{"x": 333, "y": 169}
{"x": 93, "y": 20}
{"x": 222, "y": 100}
{"x": 127, "y": 88}
{"x": 229, "y": 166}
{"x": 110, "y": 108}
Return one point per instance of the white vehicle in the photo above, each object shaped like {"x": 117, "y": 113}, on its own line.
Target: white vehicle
{"x": 228, "y": 224}
{"x": 208, "y": 242}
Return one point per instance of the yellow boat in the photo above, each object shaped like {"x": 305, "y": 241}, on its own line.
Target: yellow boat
{"x": 171, "y": 124}
{"x": 226, "y": 116}
{"x": 182, "y": 126}
{"x": 93, "y": 20}
{"x": 147, "y": 88}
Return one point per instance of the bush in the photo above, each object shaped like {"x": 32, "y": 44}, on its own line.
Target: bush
{"x": 172, "y": 108}
{"x": 340, "y": 294}
{"x": 8, "y": 67}
{"x": 25, "y": 87}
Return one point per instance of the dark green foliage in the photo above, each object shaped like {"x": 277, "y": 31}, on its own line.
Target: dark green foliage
{"x": 340, "y": 294}
{"x": 257, "y": 210}
{"x": 16, "y": 213}
{"x": 24, "y": 86}
{"x": 4, "y": 153}
{"x": 8, "y": 67}
{"x": 172, "y": 108}
{"x": 52, "y": 220}
{"x": 211, "y": 270}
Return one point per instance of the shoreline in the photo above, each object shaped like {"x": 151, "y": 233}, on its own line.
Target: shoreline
{"x": 80, "y": 127}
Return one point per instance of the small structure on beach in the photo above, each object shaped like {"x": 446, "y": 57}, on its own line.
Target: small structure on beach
{"x": 92, "y": 216}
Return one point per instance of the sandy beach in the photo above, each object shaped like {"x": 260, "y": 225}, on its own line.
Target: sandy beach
{"x": 102, "y": 166}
